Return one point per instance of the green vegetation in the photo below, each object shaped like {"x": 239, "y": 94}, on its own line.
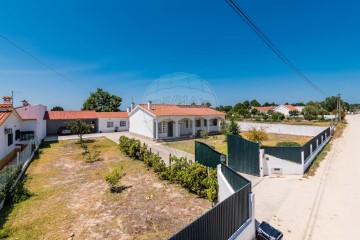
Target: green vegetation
{"x": 57, "y": 108}
{"x": 79, "y": 127}
{"x": 102, "y": 101}
{"x": 257, "y": 135}
{"x": 8, "y": 177}
{"x": 195, "y": 177}
{"x": 113, "y": 177}
{"x": 288, "y": 144}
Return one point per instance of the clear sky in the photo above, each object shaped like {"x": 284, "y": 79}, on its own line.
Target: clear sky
{"x": 123, "y": 46}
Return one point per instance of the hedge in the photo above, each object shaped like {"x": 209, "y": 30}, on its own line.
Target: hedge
{"x": 195, "y": 177}
{"x": 8, "y": 177}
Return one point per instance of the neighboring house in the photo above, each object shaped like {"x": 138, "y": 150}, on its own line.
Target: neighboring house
{"x": 166, "y": 121}
{"x": 113, "y": 121}
{"x": 285, "y": 109}
{"x": 300, "y": 108}
{"x": 100, "y": 121}
{"x": 15, "y": 131}
{"x": 264, "y": 109}
{"x": 33, "y": 117}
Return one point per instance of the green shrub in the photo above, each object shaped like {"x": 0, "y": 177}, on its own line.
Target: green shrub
{"x": 288, "y": 144}
{"x": 113, "y": 177}
{"x": 20, "y": 193}
{"x": 8, "y": 177}
{"x": 195, "y": 177}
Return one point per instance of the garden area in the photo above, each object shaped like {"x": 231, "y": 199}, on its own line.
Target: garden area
{"x": 95, "y": 191}
{"x": 218, "y": 142}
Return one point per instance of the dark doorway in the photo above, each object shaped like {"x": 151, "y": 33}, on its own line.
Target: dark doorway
{"x": 170, "y": 129}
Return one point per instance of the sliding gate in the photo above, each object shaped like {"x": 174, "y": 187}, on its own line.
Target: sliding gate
{"x": 243, "y": 155}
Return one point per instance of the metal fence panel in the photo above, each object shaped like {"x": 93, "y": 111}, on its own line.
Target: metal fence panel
{"x": 222, "y": 221}
{"x": 317, "y": 139}
{"x": 207, "y": 156}
{"x": 243, "y": 155}
{"x": 235, "y": 180}
{"x": 288, "y": 153}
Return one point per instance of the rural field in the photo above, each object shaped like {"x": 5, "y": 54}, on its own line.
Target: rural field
{"x": 218, "y": 142}
{"x": 71, "y": 200}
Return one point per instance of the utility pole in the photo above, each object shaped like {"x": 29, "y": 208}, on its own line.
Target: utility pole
{"x": 339, "y": 108}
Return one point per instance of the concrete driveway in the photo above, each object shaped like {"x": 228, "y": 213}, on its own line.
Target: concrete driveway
{"x": 163, "y": 151}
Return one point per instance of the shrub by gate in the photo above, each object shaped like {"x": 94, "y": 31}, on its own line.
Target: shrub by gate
{"x": 243, "y": 155}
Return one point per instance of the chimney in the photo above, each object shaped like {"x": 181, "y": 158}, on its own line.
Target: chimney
{"x": 149, "y": 105}
{"x": 128, "y": 109}
{"x": 7, "y": 100}
{"x": 132, "y": 106}
{"x": 25, "y": 103}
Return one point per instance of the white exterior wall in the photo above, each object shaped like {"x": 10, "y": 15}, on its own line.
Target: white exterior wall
{"x": 282, "y": 109}
{"x": 116, "y": 124}
{"x": 34, "y": 112}
{"x": 225, "y": 190}
{"x": 286, "y": 167}
{"x": 302, "y": 130}
{"x": 12, "y": 122}
{"x": 141, "y": 123}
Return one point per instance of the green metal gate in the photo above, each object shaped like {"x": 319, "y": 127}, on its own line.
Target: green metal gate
{"x": 208, "y": 156}
{"x": 243, "y": 155}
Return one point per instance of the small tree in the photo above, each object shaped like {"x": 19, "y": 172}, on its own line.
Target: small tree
{"x": 204, "y": 134}
{"x": 79, "y": 127}
{"x": 233, "y": 128}
{"x": 256, "y": 135}
{"x": 277, "y": 117}
{"x": 113, "y": 177}
{"x": 57, "y": 108}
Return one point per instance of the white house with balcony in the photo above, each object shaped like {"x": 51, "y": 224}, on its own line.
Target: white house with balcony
{"x": 169, "y": 121}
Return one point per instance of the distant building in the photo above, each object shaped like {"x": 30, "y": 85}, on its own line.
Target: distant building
{"x": 283, "y": 108}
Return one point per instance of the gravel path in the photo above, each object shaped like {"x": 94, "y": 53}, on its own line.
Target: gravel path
{"x": 326, "y": 206}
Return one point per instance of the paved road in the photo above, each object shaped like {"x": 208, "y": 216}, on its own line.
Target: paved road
{"x": 163, "y": 151}
{"x": 325, "y": 206}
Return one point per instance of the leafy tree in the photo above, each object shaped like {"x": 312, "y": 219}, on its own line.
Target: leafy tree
{"x": 247, "y": 104}
{"x": 113, "y": 177}
{"x": 257, "y": 135}
{"x": 311, "y": 110}
{"x": 208, "y": 104}
{"x": 330, "y": 103}
{"x": 255, "y": 103}
{"x": 79, "y": 127}
{"x": 233, "y": 128}
{"x": 102, "y": 101}
{"x": 294, "y": 113}
{"x": 277, "y": 117}
{"x": 254, "y": 111}
{"x": 57, "y": 108}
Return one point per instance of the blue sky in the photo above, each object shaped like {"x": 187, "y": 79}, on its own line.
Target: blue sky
{"x": 123, "y": 46}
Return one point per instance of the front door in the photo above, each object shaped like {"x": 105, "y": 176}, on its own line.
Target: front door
{"x": 170, "y": 129}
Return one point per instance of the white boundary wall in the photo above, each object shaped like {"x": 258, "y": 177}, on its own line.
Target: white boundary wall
{"x": 301, "y": 130}
{"x": 225, "y": 190}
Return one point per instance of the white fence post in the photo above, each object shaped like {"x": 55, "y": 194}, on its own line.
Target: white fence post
{"x": 322, "y": 138}
{"x": 311, "y": 149}
{"x": 303, "y": 159}
{"x": 17, "y": 158}
{"x": 317, "y": 143}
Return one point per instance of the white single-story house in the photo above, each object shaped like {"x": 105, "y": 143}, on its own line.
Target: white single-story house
{"x": 168, "y": 121}
{"x": 16, "y": 130}
{"x": 285, "y": 109}
{"x": 100, "y": 121}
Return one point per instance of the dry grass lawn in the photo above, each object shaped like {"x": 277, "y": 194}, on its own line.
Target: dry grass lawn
{"x": 218, "y": 142}
{"x": 71, "y": 197}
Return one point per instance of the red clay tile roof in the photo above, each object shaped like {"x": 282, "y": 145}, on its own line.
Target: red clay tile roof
{"x": 181, "y": 110}
{"x": 3, "y": 116}
{"x": 112, "y": 115}
{"x": 3, "y": 105}
{"x": 64, "y": 115}
{"x": 291, "y": 107}
{"x": 265, "y": 108}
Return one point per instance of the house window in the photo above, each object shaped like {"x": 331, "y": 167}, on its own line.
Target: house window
{"x": 187, "y": 123}
{"x": 214, "y": 122}
{"x": 122, "y": 123}
{"x": 110, "y": 124}
{"x": 17, "y": 135}
{"x": 27, "y": 135}
{"x": 205, "y": 122}
{"x": 198, "y": 123}
{"x": 163, "y": 127}
{"x": 10, "y": 139}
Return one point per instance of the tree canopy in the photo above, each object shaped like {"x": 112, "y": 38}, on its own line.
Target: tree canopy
{"x": 57, "y": 108}
{"x": 102, "y": 101}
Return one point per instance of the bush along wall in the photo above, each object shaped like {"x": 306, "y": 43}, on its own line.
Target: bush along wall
{"x": 195, "y": 177}
{"x": 8, "y": 176}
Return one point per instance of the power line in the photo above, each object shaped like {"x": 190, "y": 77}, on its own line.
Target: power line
{"x": 272, "y": 46}
{"x": 39, "y": 60}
